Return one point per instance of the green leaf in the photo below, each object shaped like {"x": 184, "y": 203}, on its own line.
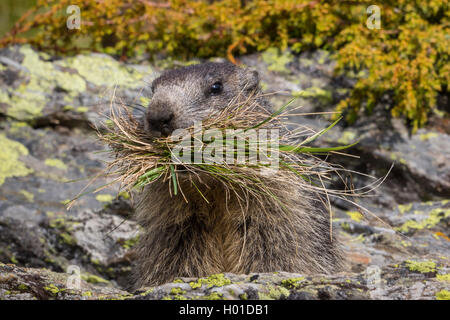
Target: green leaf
{"x": 314, "y": 150}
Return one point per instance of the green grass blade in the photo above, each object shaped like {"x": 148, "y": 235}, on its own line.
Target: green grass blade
{"x": 174, "y": 179}
{"x": 288, "y": 148}
{"x": 322, "y": 132}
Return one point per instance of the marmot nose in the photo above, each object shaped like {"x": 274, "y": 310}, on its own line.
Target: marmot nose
{"x": 162, "y": 124}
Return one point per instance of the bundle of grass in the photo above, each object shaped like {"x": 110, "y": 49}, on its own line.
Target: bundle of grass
{"x": 243, "y": 192}
{"x": 260, "y": 206}
{"x": 261, "y": 154}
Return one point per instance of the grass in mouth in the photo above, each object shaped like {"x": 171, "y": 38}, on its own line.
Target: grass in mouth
{"x": 138, "y": 160}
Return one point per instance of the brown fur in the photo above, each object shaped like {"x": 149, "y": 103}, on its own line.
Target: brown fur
{"x": 233, "y": 232}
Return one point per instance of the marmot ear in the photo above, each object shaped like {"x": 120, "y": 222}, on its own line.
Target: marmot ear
{"x": 250, "y": 80}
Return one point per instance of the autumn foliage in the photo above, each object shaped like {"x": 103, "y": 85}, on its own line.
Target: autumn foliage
{"x": 407, "y": 58}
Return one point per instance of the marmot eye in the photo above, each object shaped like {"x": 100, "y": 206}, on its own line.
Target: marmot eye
{"x": 216, "y": 88}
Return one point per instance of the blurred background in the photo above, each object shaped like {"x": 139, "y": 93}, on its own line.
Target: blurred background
{"x": 11, "y": 11}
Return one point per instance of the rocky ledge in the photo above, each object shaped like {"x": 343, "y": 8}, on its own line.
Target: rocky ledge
{"x": 48, "y": 152}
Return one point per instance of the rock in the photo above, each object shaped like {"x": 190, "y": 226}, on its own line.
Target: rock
{"x": 26, "y": 284}
{"x": 410, "y": 280}
{"x": 396, "y": 249}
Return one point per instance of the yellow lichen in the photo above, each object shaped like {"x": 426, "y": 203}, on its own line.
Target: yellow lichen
{"x": 104, "y": 198}
{"x": 275, "y": 60}
{"x": 274, "y": 293}
{"x": 421, "y": 266}
{"x": 443, "y": 295}
{"x": 355, "y": 215}
{"x": 443, "y": 277}
{"x": 435, "y": 216}
{"x": 11, "y": 166}
{"x": 103, "y": 71}
{"x": 427, "y": 136}
{"x": 402, "y": 208}
{"x": 215, "y": 280}
{"x": 292, "y": 282}
{"x": 28, "y": 195}
{"x": 56, "y": 163}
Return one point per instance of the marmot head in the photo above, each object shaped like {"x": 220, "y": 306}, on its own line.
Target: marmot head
{"x": 185, "y": 95}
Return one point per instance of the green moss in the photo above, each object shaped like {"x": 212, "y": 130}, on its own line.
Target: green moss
{"x": 104, "y": 198}
{"x": 87, "y": 294}
{"x": 443, "y": 295}
{"x": 178, "y": 281}
{"x": 421, "y": 266}
{"x": 11, "y": 166}
{"x": 14, "y": 260}
{"x": 292, "y": 282}
{"x": 56, "y": 163}
{"x": 215, "y": 280}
